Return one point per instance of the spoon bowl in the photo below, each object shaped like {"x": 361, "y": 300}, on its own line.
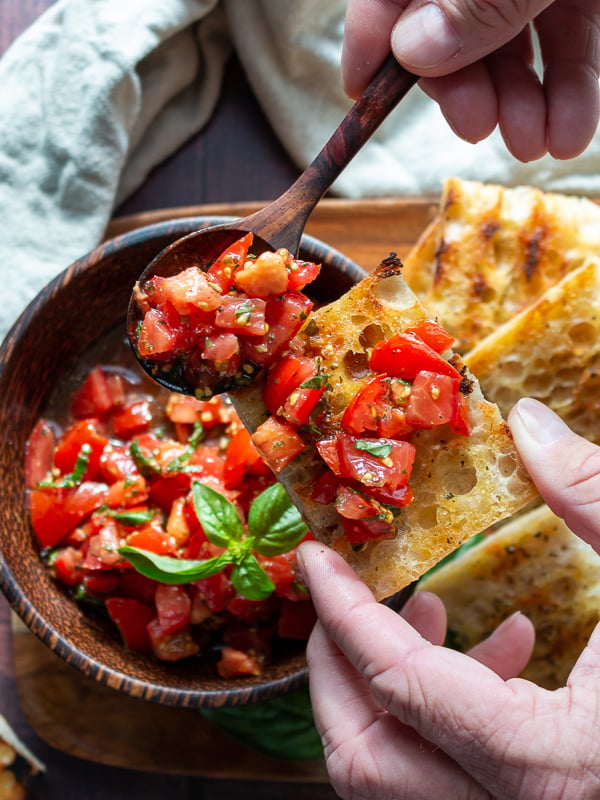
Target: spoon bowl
{"x": 280, "y": 224}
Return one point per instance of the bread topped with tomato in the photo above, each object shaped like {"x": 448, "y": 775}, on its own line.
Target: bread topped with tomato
{"x": 492, "y": 251}
{"x": 382, "y": 436}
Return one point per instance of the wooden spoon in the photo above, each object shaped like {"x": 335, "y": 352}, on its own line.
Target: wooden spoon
{"x": 280, "y": 223}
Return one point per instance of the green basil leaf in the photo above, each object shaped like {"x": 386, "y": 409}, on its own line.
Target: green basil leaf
{"x": 274, "y": 522}
{"x": 130, "y": 518}
{"x": 147, "y": 465}
{"x": 250, "y": 580}
{"x": 316, "y": 382}
{"x": 377, "y": 449}
{"x": 218, "y": 516}
{"x": 167, "y": 569}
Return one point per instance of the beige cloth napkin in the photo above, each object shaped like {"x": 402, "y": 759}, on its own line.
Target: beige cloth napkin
{"x": 97, "y": 92}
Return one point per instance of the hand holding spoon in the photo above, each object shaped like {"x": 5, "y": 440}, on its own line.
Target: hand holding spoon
{"x": 278, "y": 225}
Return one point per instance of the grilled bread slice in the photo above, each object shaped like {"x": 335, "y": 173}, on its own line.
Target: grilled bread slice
{"x": 462, "y": 484}
{"x": 492, "y": 251}
{"x": 550, "y": 351}
{"x": 532, "y": 564}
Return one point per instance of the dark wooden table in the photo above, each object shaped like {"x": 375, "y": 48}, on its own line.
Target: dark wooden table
{"x": 211, "y": 168}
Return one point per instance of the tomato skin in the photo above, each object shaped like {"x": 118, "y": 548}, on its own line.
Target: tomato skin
{"x": 242, "y": 458}
{"x": 39, "y": 453}
{"x": 189, "y": 291}
{"x": 278, "y": 443}
{"x": 242, "y": 315}
{"x": 134, "y": 417}
{"x": 222, "y": 271}
{"x": 329, "y": 452}
{"x": 96, "y": 396}
{"x": 130, "y": 491}
{"x": 433, "y": 400}
{"x": 359, "y": 531}
{"x": 158, "y": 334}
{"x": 285, "y": 315}
{"x": 152, "y": 537}
{"x": 372, "y": 471}
{"x": 301, "y": 273}
{"x": 131, "y": 618}
{"x": 378, "y": 408}
{"x": 461, "y": 419}
{"x": 325, "y": 489}
{"x": 55, "y": 511}
{"x": 406, "y": 354}
{"x": 353, "y": 505}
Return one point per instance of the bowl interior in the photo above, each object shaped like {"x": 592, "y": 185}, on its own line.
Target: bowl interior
{"x": 71, "y": 314}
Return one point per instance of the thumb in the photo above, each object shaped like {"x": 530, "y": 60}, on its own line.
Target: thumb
{"x": 436, "y": 37}
{"x": 564, "y": 467}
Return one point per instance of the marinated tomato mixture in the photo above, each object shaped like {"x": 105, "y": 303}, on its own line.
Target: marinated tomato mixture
{"x": 369, "y": 453}
{"x": 213, "y": 330}
{"x": 167, "y": 482}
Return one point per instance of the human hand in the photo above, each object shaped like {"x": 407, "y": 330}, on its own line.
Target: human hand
{"x": 476, "y": 59}
{"x": 403, "y": 717}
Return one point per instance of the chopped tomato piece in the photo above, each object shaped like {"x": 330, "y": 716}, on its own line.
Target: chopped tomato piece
{"x": 177, "y": 524}
{"x": 353, "y": 505}
{"x": 173, "y": 605}
{"x": 329, "y": 452}
{"x": 285, "y": 315}
{"x": 406, "y": 354}
{"x": 242, "y": 458}
{"x": 189, "y": 291}
{"x": 68, "y": 565}
{"x": 359, "y": 531}
{"x": 461, "y": 419}
{"x": 243, "y": 315}
{"x": 278, "y": 443}
{"x": 39, "y": 453}
{"x": 385, "y": 463}
{"x": 379, "y": 407}
{"x": 432, "y": 333}
{"x": 301, "y": 273}
{"x": 84, "y": 432}
{"x": 325, "y": 488}
{"x": 287, "y": 374}
{"x": 152, "y": 537}
{"x": 55, "y": 511}
{"x": 234, "y": 663}
{"x": 158, "y": 334}
{"x": 130, "y": 491}
{"x": 433, "y": 400}
{"x": 222, "y": 271}
{"x": 95, "y": 397}
{"x": 220, "y": 347}
{"x": 116, "y": 462}
{"x": 217, "y": 591}
{"x": 132, "y": 418}
{"x": 131, "y": 618}
{"x": 171, "y": 646}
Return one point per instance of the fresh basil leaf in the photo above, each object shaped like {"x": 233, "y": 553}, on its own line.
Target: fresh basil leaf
{"x": 250, "y": 580}
{"x": 74, "y": 478}
{"x": 167, "y": 569}
{"x": 180, "y": 464}
{"x": 281, "y": 728}
{"x": 274, "y": 522}
{"x": 147, "y": 465}
{"x": 218, "y": 516}
{"x": 377, "y": 449}
{"x": 316, "y": 382}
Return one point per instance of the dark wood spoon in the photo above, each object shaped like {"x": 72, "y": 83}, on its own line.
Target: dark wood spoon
{"x": 280, "y": 223}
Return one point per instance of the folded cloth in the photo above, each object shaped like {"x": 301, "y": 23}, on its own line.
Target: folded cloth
{"x": 97, "y": 92}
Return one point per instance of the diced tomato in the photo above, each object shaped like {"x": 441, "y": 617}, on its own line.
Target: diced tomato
{"x": 433, "y": 400}
{"x": 55, "y": 511}
{"x": 387, "y": 471}
{"x": 301, "y": 273}
{"x": 39, "y": 453}
{"x": 329, "y": 452}
{"x": 134, "y": 417}
{"x": 116, "y": 462}
{"x": 280, "y": 570}
{"x": 134, "y": 584}
{"x": 94, "y": 397}
{"x": 171, "y": 646}
{"x": 152, "y": 536}
{"x": 173, "y": 605}
{"x": 103, "y": 546}
{"x": 359, "y": 531}
{"x": 222, "y": 271}
{"x": 164, "y": 491}
{"x": 325, "y": 488}
{"x": 242, "y": 315}
{"x": 189, "y": 291}
{"x": 278, "y": 443}
{"x": 235, "y": 663}
{"x": 285, "y": 316}
{"x": 399, "y": 497}
{"x": 220, "y": 347}
{"x": 67, "y": 565}
{"x": 242, "y": 458}
{"x": 432, "y": 333}
{"x": 379, "y": 408}
{"x": 177, "y": 524}
{"x": 85, "y": 431}
{"x": 251, "y": 611}
{"x": 406, "y": 354}
{"x": 101, "y": 584}
{"x": 217, "y": 591}
{"x": 131, "y": 491}
{"x": 300, "y": 404}
{"x": 353, "y": 505}
{"x": 158, "y": 335}
{"x": 296, "y": 619}
{"x": 131, "y": 618}
{"x": 286, "y": 375}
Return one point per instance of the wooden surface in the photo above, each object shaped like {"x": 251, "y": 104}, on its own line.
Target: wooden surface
{"x": 212, "y": 168}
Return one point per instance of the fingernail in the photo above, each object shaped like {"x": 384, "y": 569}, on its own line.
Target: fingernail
{"x": 540, "y": 423}
{"x": 424, "y": 38}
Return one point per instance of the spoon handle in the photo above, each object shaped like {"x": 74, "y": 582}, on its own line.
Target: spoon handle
{"x": 282, "y": 222}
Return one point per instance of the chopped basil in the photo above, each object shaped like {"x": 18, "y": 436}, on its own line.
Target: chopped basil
{"x": 377, "y": 449}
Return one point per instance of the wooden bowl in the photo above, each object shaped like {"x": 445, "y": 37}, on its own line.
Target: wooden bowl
{"x": 81, "y": 305}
